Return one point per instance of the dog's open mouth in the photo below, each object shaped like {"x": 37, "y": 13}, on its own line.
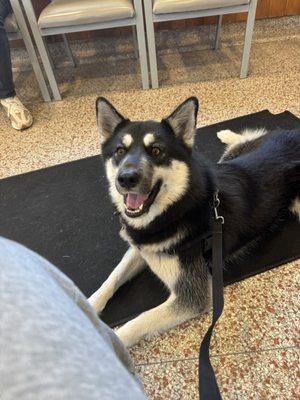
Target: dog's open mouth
{"x": 138, "y": 204}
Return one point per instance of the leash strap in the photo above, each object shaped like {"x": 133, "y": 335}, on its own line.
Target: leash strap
{"x": 208, "y": 387}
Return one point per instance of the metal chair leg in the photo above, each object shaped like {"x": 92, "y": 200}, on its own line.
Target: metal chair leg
{"x": 141, "y": 43}
{"x": 248, "y": 39}
{"x": 218, "y": 32}
{"x": 41, "y": 48}
{"x": 47, "y": 47}
{"x": 69, "y": 51}
{"x": 135, "y": 43}
{"x": 151, "y": 44}
{"x": 30, "y": 49}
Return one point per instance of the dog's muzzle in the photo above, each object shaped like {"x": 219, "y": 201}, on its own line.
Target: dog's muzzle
{"x": 137, "y": 192}
{"x": 129, "y": 178}
{"x": 135, "y": 182}
{"x": 138, "y": 204}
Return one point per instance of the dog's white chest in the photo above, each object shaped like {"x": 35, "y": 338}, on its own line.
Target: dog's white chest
{"x": 166, "y": 267}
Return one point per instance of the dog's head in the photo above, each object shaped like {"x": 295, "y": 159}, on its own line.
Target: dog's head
{"x": 147, "y": 163}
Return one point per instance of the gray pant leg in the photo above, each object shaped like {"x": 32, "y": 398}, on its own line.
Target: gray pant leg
{"x": 52, "y": 344}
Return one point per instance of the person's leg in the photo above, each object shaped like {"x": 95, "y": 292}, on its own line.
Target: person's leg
{"x": 19, "y": 115}
{"x": 7, "y": 88}
{"x": 52, "y": 344}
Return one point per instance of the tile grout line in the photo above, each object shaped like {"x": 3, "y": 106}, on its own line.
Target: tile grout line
{"x": 220, "y": 355}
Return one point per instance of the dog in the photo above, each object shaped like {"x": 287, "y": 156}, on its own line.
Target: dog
{"x": 163, "y": 191}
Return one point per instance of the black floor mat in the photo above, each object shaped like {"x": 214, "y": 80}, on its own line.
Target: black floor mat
{"x": 64, "y": 213}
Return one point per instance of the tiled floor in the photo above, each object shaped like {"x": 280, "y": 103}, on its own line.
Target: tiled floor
{"x": 256, "y": 339}
{"x": 255, "y": 347}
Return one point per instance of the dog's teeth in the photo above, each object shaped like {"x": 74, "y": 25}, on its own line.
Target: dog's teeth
{"x": 135, "y": 211}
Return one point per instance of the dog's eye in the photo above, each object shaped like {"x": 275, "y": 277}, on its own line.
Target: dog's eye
{"x": 155, "y": 151}
{"x": 120, "y": 151}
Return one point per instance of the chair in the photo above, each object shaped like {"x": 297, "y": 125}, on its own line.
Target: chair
{"x": 168, "y": 10}
{"x": 16, "y": 28}
{"x": 65, "y": 16}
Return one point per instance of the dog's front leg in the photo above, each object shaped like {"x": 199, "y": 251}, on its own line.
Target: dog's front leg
{"x": 130, "y": 265}
{"x": 156, "y": 320}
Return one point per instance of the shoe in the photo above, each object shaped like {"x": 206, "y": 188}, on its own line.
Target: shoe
{"x": 18, "y": 114}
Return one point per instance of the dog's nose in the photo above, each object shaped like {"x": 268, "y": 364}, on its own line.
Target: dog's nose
{"x": 128, "y": 178}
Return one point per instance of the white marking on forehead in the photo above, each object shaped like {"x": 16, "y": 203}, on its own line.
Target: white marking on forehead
{"x": 127, "y": 140}
{"x": 148, "y": 139}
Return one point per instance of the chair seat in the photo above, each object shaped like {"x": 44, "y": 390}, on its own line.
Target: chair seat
{"x": 10, "y": 24}
{"x": 77, "y": 12}
{"x": 175, "y": 6}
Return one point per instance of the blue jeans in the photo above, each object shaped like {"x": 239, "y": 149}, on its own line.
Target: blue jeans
{"x": 7, "y": 88}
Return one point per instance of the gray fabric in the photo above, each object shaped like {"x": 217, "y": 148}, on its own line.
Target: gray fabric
{"x": 52, "y": 344}
{"x": 173, "y": 6}
{"x": 78, "y": 12}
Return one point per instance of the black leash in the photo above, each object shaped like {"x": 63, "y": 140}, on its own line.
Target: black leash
{"x": 208, "y": 387}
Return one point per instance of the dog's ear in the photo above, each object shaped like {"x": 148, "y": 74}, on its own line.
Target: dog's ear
{"x": 183, "y": 120}
{"x": 108, "y": 118}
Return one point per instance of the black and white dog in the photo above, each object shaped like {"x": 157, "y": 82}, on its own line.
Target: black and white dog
{"x": 164, "y": 191}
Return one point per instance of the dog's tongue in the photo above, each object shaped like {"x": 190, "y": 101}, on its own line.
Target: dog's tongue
{"x": 134, "y": 201}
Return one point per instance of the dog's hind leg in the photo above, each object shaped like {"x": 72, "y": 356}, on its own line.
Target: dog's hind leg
{"x": 130, "y": 265}
{"x": 158, "y": 319}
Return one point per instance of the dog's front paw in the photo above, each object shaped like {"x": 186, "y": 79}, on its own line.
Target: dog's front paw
{"x": 127, "y": 336}
{"x": 227, "y": 136}
{"x": 97, "y": 305}
{"x": 99, "y": 299}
